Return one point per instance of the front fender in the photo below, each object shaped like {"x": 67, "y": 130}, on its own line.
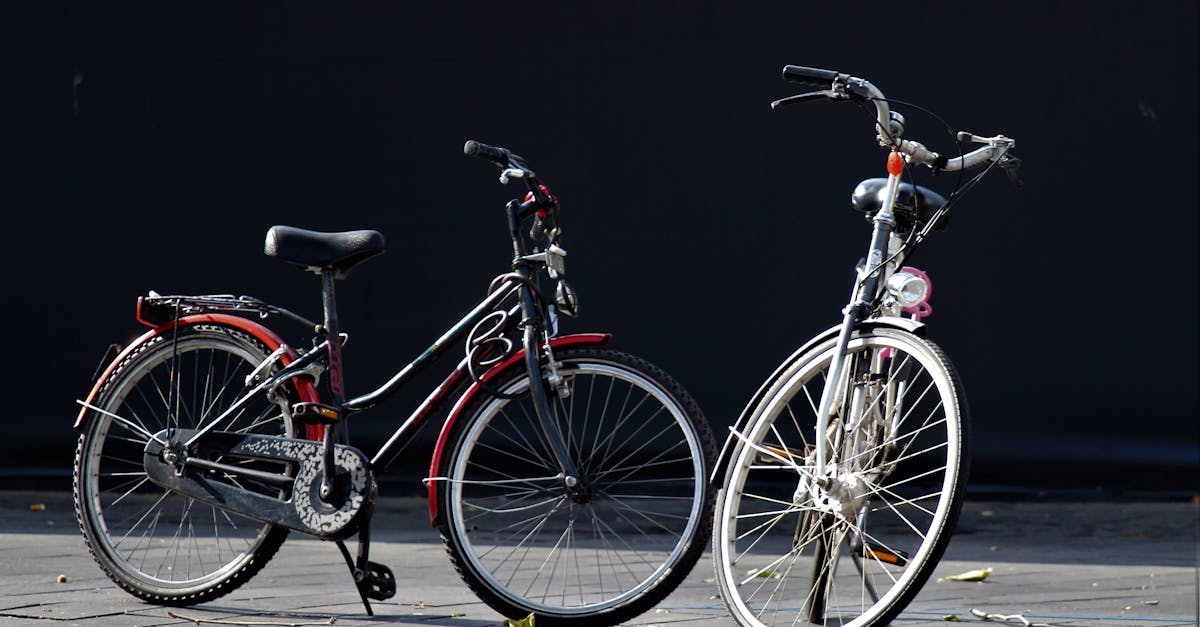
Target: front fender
{"x": 516, "y": 360}
{"x": 905, "y": 324}
{"x": 304, "y": 387}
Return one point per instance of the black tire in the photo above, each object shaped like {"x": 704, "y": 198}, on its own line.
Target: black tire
{"x": 523, "y": 545}
{"x": 155, "y": 544}
{"x": 795, "y": 545}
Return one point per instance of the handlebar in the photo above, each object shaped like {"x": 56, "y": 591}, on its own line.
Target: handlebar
{"x": 811, "y": 76}
{"x": 839, "y": 86}
{"x": 500, "y": 156}
{"x": 512, "y": 166}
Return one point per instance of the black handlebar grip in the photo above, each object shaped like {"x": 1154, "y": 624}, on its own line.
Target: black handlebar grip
{"x": 483, "y": 151}
{"x": 809, "y": 75}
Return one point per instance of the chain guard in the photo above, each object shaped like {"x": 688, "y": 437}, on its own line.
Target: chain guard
{"x": 297, "y": 506}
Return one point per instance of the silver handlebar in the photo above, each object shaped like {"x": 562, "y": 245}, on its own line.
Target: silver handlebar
{"x": 916, "y": 152}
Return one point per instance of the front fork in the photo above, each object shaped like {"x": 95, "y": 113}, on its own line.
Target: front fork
{"x": 532, "y": 338}
{"x": 864, "y": 293}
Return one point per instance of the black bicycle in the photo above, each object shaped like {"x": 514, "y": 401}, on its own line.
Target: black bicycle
{"x": 568, "y": 479}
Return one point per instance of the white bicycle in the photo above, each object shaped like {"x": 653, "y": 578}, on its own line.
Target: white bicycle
{"x": 844, "y": 476}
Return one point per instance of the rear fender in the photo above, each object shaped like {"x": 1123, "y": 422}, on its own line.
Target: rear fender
{"x": 516, "y": 360}
{"x": 304, "y": 386}
{"x": 905, "y": 324}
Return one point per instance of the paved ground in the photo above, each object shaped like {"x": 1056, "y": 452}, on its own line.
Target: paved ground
{"x": 1060, "y": 562}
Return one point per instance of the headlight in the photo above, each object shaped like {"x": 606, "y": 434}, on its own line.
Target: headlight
{"x": 908, "y": 289}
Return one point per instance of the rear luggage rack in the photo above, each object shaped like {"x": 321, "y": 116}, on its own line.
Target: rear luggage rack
{"x": 156, "y": 310}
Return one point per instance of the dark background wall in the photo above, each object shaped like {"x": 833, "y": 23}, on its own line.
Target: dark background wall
{"x": 149, "y": 146}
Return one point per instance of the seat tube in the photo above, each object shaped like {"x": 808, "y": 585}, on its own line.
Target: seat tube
{"x": 337, "y": 391}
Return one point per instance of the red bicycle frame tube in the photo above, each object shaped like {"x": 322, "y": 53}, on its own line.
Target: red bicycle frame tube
{"x": 516, "y": 359}
{"x": 304, "y": 387}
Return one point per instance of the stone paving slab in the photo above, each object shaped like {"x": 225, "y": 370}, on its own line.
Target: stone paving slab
{"x": 1068, "y": 564}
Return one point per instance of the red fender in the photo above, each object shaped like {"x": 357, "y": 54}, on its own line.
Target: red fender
{"x": 516, "y": 359}
{"x": 304, "y": 386}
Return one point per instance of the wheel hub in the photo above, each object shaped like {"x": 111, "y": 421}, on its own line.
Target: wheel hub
{"x": 833, "y": 491}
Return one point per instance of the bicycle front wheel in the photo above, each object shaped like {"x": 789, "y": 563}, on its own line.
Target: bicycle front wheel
{"x": 852, "y": 543}
{"x": 605, "y": 552}
{"x": 154, "y": 543}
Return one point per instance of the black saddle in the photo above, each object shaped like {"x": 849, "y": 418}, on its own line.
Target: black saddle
{"x": 868, "y": 198}
{"x": 316, "y": 251}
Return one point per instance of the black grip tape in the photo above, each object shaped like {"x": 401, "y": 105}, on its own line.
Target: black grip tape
{"x": 483, "y": 151}
{"x": 809, "y": 75}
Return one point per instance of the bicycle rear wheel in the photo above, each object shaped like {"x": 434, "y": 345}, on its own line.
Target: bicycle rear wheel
{"x": 155, "y": 544}
{"x": 850, "y": 544}
{"x": 600, "y": 556}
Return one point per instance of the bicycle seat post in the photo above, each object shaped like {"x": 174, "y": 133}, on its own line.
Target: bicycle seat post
{"x": 333, "y": 339}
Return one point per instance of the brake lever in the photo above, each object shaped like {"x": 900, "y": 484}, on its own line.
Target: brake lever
{"x": 1010, "y": 164}
{"x": 513, "y": 173}
{"x": 827, "y": 94}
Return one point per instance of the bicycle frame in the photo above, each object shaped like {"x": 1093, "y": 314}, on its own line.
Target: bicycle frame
{"x": 326, "y": 356}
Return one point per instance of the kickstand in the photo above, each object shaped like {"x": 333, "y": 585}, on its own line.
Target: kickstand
{"x": 373, "y": 580}
{"x": 356, "y": 574}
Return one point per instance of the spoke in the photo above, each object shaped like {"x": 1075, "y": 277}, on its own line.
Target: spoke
{"x": 266, "y": 416}
{"x": 920, "y": 476}
{"x": 650, "y": 497}
{"x": 633, "y": 468}
{"x": 917, "y": 403}
{"x": 932, "y": 413}
{"x": 612, "y": 436}
{"x": 508, "y": 510}
{"x": 801, "y": 470}
{"x": 910, "y": 437}
{"x": 553, "y": 552}
{"x": 506, "y": 453}
{"x": 623, "y": 506}
{"x": 621, "y": 558}
{"x": 664, "y": 480}
{"x": 650, "y": 461}
{"x": 606, "y": 442}
{"x": 218, "y": 394}
{"x": 133, "y": 427}
{"x": 597, "y": 437}
{"x": 521, "y": 545}
{"x": 139, "y": 521}
{"x": 524, "y": 445}
{"x": 761, "y": 529}
{"x": 175, "y": 540}
{"x": 883, "y": 493}
{"x": 574, "y": 443}
{"x": 556, "y": 555}
{"x": 911, "y": 501}
{"x": 129, "y": 491}
{"x": 539, "y": 433}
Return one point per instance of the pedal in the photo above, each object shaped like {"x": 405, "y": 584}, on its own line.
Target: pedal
{"x": 377, "y": 582}
{"x": 316, "y": 413}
